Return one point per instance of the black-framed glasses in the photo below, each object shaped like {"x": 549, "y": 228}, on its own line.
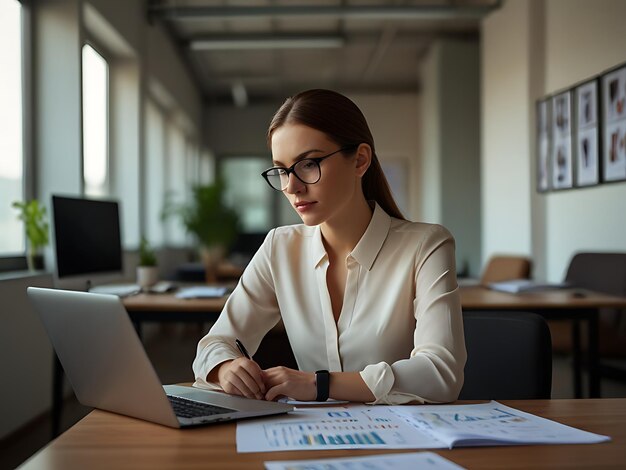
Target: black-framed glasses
{"x": 306, "y": 170}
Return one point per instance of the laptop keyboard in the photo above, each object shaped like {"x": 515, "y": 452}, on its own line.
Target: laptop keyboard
{"x": 185, "y": 408}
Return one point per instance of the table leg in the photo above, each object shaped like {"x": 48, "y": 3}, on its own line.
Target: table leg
{"x": 576, "y": 353}
{"x": 593, "y": 355}
{"x": 57, "y": 395}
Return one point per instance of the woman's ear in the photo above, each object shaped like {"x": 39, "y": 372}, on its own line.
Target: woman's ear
{"x": 363, "y": 159}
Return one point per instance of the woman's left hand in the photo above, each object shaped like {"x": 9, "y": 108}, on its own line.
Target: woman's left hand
{"x": 289, "y": 382}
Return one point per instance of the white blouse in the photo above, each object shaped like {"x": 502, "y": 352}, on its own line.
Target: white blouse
{"x": 400, "y": 323}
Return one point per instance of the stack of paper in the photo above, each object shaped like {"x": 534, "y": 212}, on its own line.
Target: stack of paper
{"x": 121, "y": 290}
{"x": 524, "y": 285}
{"x": 201, "y": 292}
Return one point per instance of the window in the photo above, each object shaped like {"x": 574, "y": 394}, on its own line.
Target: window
{"x": 177, "y": 187}
{"x": 247, "y": 193}
{"x": 95, "y": 122}
{"x": 11, "y": 132}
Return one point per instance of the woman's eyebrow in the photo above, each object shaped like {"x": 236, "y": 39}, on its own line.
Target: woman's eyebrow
{"x": 301, "y": 156}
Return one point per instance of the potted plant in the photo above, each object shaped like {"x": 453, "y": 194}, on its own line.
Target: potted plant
{"x": 34, "y": 216}
{"x": 210, "y": 221}
{"x": 147, "y": 271}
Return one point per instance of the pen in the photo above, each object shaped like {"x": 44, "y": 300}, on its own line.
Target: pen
{"x": 242, "y": 348}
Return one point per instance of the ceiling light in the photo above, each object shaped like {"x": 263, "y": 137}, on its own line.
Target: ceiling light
{"x": 267, "y": 42}
{"x": 240, "y": 95}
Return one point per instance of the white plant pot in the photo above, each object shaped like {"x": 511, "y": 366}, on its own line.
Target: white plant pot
{"x": 147, "y": 276}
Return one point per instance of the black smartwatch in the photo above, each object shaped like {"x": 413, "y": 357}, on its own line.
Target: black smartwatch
{"x": 322, "y": 382}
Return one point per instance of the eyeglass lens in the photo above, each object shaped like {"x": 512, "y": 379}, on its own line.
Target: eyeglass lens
{"x": 307, "y": 171}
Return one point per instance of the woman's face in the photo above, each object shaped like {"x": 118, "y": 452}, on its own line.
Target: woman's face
{"x": 340, "y": 182}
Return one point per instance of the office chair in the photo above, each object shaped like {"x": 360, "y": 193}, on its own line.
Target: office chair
{"x": 505, "y": 268}
{"x": 509, "y": 356}
{"x": 606, "y": 273}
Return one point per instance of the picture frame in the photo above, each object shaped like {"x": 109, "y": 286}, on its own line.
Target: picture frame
{"x": 561, "y": 164}
{"x": 543, "y": 145}
{"x": 614, "y": 129}
{"x": 587, "y": 150}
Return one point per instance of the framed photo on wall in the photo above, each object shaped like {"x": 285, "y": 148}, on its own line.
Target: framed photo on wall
{"x": 587, "y": 162}
{"x": 614, "y": 135}
{"x": 561, "y": 154}
{"x": 543, "y": 145}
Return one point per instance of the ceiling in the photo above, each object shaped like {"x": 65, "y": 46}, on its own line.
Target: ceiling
{"x": 258, "y": 50}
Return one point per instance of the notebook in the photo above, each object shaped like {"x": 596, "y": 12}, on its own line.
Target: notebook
{"x": 108, "y": 368}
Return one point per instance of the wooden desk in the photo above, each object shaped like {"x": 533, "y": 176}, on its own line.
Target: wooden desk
{"x": 481, "y": 298}
{"x": 106, "y": 440}
{"x": 167, "y": 308}
{"x": 560, "y": 304}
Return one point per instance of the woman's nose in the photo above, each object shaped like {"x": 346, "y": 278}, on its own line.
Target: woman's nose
{"x": 294, "y": 185}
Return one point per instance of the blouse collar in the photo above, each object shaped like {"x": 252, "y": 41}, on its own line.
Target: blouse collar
{"x": 368, "y": 247}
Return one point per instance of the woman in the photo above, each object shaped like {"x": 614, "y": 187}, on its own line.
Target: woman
{"x": 362, "y": 292}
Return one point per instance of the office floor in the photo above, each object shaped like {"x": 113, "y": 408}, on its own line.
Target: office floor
{"x": 172, "y": 349}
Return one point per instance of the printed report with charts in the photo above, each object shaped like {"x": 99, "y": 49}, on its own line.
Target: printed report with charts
{"x": 405, "y": 427}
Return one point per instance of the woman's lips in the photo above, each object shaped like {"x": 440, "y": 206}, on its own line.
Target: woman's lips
{"x": 304, "y": 206}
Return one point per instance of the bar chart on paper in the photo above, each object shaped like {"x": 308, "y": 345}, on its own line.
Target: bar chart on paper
{"x": 405, "y": 427}
{"x": 354, "y": 428}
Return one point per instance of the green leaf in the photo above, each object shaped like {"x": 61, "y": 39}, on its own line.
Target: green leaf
{"x": 34, "y": 216}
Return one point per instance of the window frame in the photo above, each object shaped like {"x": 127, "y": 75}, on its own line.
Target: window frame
{"x": 17, "y": 261}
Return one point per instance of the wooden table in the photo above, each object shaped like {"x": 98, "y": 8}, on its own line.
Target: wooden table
{"x": 106, "y": 440}
{"x": 558, "y": 304}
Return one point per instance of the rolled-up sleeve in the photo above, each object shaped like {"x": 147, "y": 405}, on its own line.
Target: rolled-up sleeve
{"x": 250, "y": 312}
{"x": 434, "y": 370}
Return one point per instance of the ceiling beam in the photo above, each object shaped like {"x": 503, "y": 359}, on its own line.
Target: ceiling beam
{"x": 371, "y": 12}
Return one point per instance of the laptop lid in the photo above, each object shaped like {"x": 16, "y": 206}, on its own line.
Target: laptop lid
{"x": 107, "y": 365}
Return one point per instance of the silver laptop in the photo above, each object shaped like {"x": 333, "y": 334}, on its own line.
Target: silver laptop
{"x": 108, "y": 367}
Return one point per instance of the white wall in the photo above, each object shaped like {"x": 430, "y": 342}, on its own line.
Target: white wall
{"x": 430, "y": 182}
{"x": 582, "y": 39}
{"x": 394, "y": 120}
{"x": 505, "y": 106}
{"x": 531, "y": 49}
{"x": 450, "y": 179}
{"x": 239, "y": 131}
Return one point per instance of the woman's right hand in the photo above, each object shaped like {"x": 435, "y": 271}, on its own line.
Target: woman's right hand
{"x": 242, "y": 377}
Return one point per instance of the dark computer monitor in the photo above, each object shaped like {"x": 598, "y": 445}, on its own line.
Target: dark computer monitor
{"x": 87, "y": 236}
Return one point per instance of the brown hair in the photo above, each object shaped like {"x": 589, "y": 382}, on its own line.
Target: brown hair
{"x": 342, "y": 121}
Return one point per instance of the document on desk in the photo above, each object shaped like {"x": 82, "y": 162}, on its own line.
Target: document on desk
{"x": 517, "y": 286}
{"x": 408, "y": 461}
{"x": 405, "y": 427}
{"x": 296, "y": 403}
{"x": 356, "y": 427}
{"x": 202, "y": 292}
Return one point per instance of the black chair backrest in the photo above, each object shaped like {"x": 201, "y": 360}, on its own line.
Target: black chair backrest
{"x": 509, "y": 356}
{"x": 602, "y": 272}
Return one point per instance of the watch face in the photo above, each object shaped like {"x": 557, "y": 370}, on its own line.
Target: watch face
{"x": 322, "y": 382}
